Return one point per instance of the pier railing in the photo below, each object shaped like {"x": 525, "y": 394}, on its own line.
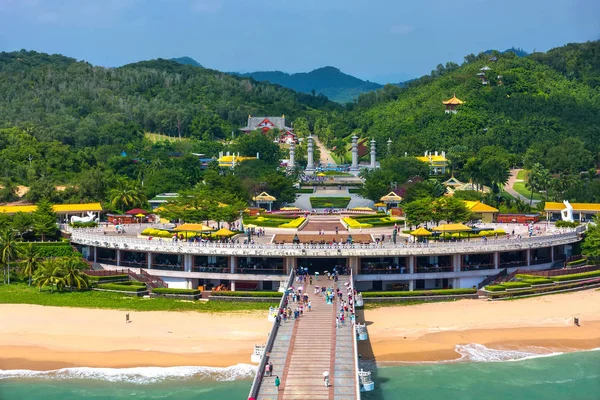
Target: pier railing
{"x": 354, "y": 340}
{"x": 270, "y": 341}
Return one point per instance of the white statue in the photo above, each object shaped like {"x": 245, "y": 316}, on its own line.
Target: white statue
{"x": 567, "y": 213}
{"x": 90, "y": 218}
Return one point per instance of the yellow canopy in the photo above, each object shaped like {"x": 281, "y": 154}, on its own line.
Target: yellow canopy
{"x": 452, "y": 228}
{"x": 193, "y": 228}
{"x": 421, "y": 232}
{"x": 140, "y": 215}
{"x": 223, "y": 232}
{"x": 321, "y": 174}
{"x": 264, "y": 197}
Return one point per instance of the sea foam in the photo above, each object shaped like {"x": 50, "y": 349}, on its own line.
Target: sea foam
{"x": 138, "y": 375}
{"x": 479, "y": 353}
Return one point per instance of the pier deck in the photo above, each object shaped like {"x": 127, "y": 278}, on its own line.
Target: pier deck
{"x": 309, "y": 346}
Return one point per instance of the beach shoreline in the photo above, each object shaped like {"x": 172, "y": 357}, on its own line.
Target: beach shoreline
{"x": 45, "y": 338}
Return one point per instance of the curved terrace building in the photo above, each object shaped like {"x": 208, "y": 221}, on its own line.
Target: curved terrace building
{"x": 376, "y": 266}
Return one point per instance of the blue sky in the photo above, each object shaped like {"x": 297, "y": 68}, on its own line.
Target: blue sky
{"x": 380, "y": 40}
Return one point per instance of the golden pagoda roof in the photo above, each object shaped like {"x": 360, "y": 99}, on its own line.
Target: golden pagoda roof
{"x": 391, "y": 196}
{"x": 264, "y": 196}
{"x": 479, "y": 207}
{"x": 453, "y": 101}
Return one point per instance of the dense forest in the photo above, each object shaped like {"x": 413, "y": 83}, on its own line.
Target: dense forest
{"x": 66, "y": 122}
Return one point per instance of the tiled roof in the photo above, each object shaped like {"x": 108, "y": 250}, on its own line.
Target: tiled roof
{"x": 59, "y": 208}
{"x": 555, "y": 206}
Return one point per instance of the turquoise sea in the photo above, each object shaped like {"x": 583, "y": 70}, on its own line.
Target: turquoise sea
{"x": 512, "y": 375}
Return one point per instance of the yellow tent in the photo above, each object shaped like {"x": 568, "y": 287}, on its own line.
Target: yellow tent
{"x": 452, "y": 228}
{"x": 223, "y": 232}
{"x": 193, "y": 228}
{"x": 321, "y": 174}
{"x": 421, "y": 232}
{"x": 140, "y": 215}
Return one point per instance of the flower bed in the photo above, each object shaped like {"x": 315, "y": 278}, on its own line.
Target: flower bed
{"x": 295, "y": 223}
{"x": 354, "y": 224}
{"x": 122, "y": 288}
{"x": 568, "y": 286}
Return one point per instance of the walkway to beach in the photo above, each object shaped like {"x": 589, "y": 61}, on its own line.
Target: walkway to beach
{"x": 308, "y": 347}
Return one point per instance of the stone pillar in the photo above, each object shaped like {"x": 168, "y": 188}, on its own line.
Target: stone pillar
{"x": 496, "y": 260}
{"x": 551, "y": 254}
{"x": 412, "y": 260}
{"x": 411, "y": 285}
{"x": 232, "y": 285}
{"x": 292, "y": 155}
{"x": 96, "y": 254}
{"x": 149, "y": 259}
{"x": 457, "y": 262}
{"x": 528, "y": 256}
{"x": 353, "y": 263}
{"x": 232, "y": 264}
{"x": 354, "y": 166}
{"x": 310, "y": 164}
{"x": 373, "y": 153}
{"x": 118, "y": 251}
{"x": 291, "y": 264}
{"x": 187, "y": 262}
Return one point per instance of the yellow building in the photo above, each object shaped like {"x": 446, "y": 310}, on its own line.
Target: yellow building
{"x": 437, "y": 162}
{"x": 232, "y": 161}
{"x": 585, "y": 211}
{"x": 486, "y": 212}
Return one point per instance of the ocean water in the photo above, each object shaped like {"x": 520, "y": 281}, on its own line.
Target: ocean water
{"x": 481, "y": 374}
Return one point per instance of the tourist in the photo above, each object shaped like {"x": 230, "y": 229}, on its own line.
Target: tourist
{"x": 267, "y": 370}
{"x": 277, "y": 382}
{"x": 337, "y": 322}
{"x": 270, "y": 368}
{"x": 326, "y": 378}
{"x": 309, "y": 305}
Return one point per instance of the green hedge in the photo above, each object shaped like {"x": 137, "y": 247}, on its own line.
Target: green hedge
{"x": 246, "y": 294}
{"x": 571, "y": 277}
{"x": 327, "y": 202}
{"x": 540, "y": 291}
{"x": 566, "y": 224}
{"x": 175, "y": 291}
{"x": 581, "y": 261}
{"x": 515, "y": 285}
{"x": 90, "y": 224}
{"x": 122, "y": 288}
{"x": 441, "y": 292}
{"x": 354, "y": 191}
{"x": 538, "y": 281}
{"x": 305, "y": 191}
{"x": 51, "y": 249}
{"x": 495, "y": 288}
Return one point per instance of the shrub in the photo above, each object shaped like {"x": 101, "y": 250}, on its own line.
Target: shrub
{"x": 439, "y": 292}
{"x": 538, "y": 281}
{"x": 295, "y": 223}
{"x": 56, "y": 251}
{"x": 107, "y": 278}
{"x": 566, "y": 224}
{"x": 175, "y": 291}
{"x": 122, "y": 288}
{"x": 495, "y": 288}
{"x": 515, "y": 285}
{"x": 539, "y": 290}
{"x": 581, "y": 261}
{"x": 90, "y": 224}
{"x": 246, "y": 294}
{"x": 571, "y": 277}
{"x": 352, "y": 223}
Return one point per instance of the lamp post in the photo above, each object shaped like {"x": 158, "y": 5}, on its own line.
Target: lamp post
{"x": 242, "y": 220}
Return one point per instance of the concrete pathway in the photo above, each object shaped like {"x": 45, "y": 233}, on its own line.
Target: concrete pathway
{"x": 314, "y": 346}
{"x": 326, "y": 158}
{"x": 509, "y": 187}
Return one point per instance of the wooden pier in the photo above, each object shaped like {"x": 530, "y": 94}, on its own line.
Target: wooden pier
{"x": 307, "y": 347}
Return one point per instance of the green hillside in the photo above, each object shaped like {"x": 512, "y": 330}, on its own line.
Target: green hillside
{"x": 539, "y": 102}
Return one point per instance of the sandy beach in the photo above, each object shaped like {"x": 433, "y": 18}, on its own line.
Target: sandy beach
{"x": 45, "y": 338}
{"x": 430, "y": 332}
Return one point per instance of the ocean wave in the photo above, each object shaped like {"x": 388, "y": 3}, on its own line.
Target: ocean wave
{"x": 138, "y": 375}
{"x": 479, "y": 353}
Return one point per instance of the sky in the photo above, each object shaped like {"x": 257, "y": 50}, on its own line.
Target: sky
{"x": 379, "y": 40}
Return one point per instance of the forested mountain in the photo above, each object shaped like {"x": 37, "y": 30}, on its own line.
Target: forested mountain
{"x": 187, "y": 61}
{"x": 536, "y": 104}
{"x": 328, "y": 81}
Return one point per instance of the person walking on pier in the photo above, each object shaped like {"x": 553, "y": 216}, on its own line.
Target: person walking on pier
{"x": 277, "y": 382}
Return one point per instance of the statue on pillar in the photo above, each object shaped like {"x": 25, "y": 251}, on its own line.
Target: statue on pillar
{"x": 310, "y": 165}
{"x": 373, "y": 154}
{"x": 354, "y": 166}
{"x": 292, "y": 155}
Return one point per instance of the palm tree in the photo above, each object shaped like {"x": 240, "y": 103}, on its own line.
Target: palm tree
{"x": 31, "y": 261}
{"x": 124, "y": 198}
{"x": 73, "y": 275}
{"x": 50, "y": 273}
{"x": 8, "y": 251}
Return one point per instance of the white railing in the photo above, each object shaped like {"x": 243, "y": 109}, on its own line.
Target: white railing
{"x": 96, "y": 237}
{"x": 354, "y": 340}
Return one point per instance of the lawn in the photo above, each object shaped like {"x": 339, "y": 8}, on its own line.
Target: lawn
{"x": 522, "y": 174}
{"x": 269, "y": 221}
{"x": 20, "y": 293}
{"x": 328, "y": 202}
{"x": 520, "y": 188}
{"x": 336, "y": 173}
